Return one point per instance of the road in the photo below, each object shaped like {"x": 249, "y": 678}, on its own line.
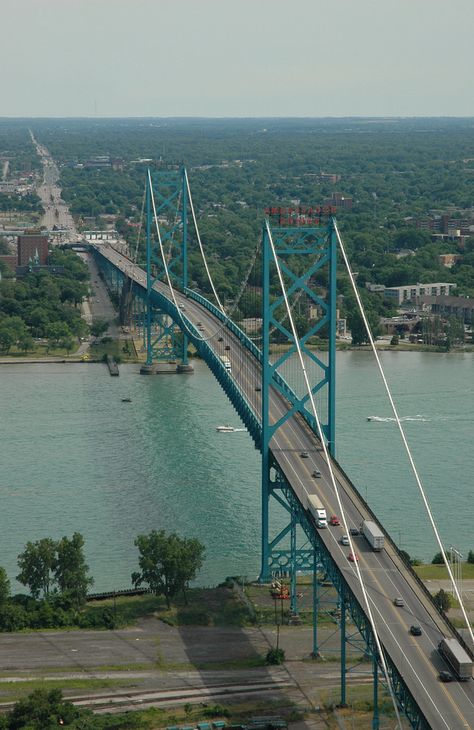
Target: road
{"x": 56, "y": 211}
{"x": 448, "y": 706}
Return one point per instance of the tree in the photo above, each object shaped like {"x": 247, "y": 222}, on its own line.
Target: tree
{"x": 4, "y": 587}
{"x": 437, "y": 559}
{"x": 43, "y": 710}
{"x": 70, "y": 569}
{"x": 36, "y": 564}
{"x": 470, "y": 556}
{"x": 442, "y": 600}
{"x": 167, "y": 563}
{"x": 99, "y": 327}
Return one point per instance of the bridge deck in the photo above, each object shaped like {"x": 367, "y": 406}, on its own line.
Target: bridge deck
{"x": 449, "y": 706}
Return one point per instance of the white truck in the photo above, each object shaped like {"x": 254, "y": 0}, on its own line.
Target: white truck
{"x": 373, "y": 534}
{"x": 458, "y": 659}
{"x": 226, "y": 362}
{"x": 317, "y": 510}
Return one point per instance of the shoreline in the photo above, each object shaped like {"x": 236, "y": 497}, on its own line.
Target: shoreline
{"x": 341, "y": 347}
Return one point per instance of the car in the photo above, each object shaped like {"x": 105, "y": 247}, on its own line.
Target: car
{"x": 415, "y": 630}
{"x": 354, "y": 531}
{"x": 304, "y": 454}
{"x": 227, "y": 347}
{"x": 198, "y": 324}
{"x": 445, "y": 676}
{"x": 182, "y": 307}
{"x": 334, "y": 520}
{"x": 316, "y": 473}
{"x": 258, "y": 388}
{"x": 220, "y": 339}
{"x": 322, "y": 524}
{"x": 344, "y": 540}
{"x": 353, "y": 557}
{"x": 398, "y": 601}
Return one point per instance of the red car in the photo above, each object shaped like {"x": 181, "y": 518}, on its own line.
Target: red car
{"x": 353, "y": 557}
{"x": 334, "y": 520}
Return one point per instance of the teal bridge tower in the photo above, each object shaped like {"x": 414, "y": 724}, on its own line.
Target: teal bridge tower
{"x": 267, "y": 392}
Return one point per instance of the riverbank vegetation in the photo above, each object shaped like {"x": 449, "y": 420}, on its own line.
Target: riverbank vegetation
{"x": 44, "y": 308}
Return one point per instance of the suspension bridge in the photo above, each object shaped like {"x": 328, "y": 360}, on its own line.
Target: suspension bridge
{"x": 285, "y": 395}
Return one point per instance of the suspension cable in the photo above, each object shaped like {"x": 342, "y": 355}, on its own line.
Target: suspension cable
{"x": 227, "y": 315}
{"x": 183, "y": 324}
{"x": 200, "y": 243}
{"x": 402, "y": 432}
{"x": 331, "y": 473}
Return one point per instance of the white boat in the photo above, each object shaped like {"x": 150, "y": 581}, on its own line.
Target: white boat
{"x": 224, "y": 429}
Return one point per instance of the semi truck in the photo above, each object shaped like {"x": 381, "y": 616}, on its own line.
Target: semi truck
{"x": 317, "y": 510}
{"x": 457, "y": 658}
{"x": 225, "y": 361}
{"x": 373, "y": 534}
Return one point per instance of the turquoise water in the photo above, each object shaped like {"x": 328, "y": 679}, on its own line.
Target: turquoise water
{"x": 75, "y": 457}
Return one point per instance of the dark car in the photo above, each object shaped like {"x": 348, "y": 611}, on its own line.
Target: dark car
{"x": 445, "y": 676}
{"x": 227, "y": 347}
{"x": 415, "y": 630}
{"x": 258, "y": 388}
{"x": 221, "y": 339}
{"x": 304, "y": 454}
{"x": 354, "y": 531}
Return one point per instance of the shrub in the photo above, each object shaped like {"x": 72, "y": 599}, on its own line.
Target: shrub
{"x": 442, "y": 600}
{"x": 275, "y": 656}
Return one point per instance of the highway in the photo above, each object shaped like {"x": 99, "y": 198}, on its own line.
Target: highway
{"x": 56, "y": 211}
{"x": 444, "y": 705}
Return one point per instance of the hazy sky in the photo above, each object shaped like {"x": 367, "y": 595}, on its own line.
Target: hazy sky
{"x": 236, "y": 57}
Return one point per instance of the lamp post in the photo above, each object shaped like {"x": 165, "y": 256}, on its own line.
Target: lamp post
{"x": 456, "y": 562}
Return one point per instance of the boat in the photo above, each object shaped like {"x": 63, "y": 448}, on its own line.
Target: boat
{"x": 225, "y": 429}
{"x": 126, "y": 400}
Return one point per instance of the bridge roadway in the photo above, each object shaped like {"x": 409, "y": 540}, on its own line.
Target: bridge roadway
{"x": 444, "y": 705}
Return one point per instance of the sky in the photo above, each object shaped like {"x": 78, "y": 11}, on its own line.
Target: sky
{"x": 236, "y": 58}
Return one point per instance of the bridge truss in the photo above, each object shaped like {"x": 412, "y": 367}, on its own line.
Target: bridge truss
{"x": 307, "y": 255}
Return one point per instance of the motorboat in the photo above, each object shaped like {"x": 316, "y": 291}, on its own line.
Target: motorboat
{"x": 224, "y": 429}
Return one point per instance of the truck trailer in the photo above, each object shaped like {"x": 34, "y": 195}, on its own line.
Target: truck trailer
{"x": 457, "y": 658}
{"x": 317, "y": 510}
{"x": 373, "y": 534}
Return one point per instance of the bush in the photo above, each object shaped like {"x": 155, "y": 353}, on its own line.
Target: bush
{"x": 395, "y": 340}
{"x": 13, "y": 617}
{"x": 275, "y": 656}
{"x": 442, "y": 600}
{"x": 437, "y": 559}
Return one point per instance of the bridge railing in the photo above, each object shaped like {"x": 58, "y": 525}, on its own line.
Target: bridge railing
{"x": 284, "y": 388}
{"x": 406, "y": 562}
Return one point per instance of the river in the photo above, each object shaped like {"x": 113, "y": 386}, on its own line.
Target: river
{"x": 74, "y": 457}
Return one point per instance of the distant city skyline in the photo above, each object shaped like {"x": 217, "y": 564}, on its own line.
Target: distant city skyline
{"x": 252, "y": 58}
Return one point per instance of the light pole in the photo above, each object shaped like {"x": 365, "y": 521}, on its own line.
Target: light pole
{"x": 456, "y": 562}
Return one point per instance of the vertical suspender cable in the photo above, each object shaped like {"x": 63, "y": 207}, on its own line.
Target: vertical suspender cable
{"x": 333, "y": 480}
{"x": 402, "y": 432}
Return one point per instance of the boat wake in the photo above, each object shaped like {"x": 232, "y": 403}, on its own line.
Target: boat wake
{"x": 229, "y": 429}
{"x": 390, "y": 419}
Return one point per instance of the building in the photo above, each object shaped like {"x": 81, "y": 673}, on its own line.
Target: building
{"x": 32, "y": 248}
{"x": 341, "y": 201}
{"x": 448, "y": 306}
{"x": 10, "y": 261}
{"x": 449, "y": 259}
{"x": 411, "y": 293}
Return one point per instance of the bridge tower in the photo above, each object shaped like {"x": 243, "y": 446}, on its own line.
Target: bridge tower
{"x": 305, "y": 246}
{"x": 163, "y": 340}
